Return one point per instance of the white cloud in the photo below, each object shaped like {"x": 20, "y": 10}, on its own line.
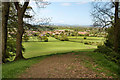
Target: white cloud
{"x": 65, "y": 4}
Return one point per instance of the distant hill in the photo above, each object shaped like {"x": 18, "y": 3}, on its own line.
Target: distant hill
{"x": 67, "y": 25}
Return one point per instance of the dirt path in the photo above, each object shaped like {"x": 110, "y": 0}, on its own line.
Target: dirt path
{"x": 61, "y": 66}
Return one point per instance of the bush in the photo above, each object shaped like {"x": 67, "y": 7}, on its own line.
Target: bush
{"x": 86, "y": 43}
{"x": 81, "y": 35}
{"x": 52, "y": 35}
{"x": 63, "y": 38}
{"x": 66, "y": 39}
{"x": 103, "y": 49}
{"x": 109, "y": 53}
{"x": 47, "y": 34}
{"x": 11, "y": 50}
{"x": 45, "y": 38}
{"x": 113, "y": 56}
{"x": 85, "y": 38}
{"x": 35, "y": 34}
{"x": 56, "y": 36}
{"x": 25, "y": 38}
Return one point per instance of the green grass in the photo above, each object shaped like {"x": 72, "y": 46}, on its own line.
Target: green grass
{"x": 89, "y": 39}
{"x": 106, "y": 66}
{"x": 13, "y": 69}
{"x": 64, "y": 29}
{"x": 100, "y": 59}
{"x": 36, "y": 48}
{"x": 54, "y": 46}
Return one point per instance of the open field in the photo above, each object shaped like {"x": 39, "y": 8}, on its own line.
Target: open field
{"x": 88, "y": 39}
{"x": 37, "y": 51}
{"x": 53, "y": 46}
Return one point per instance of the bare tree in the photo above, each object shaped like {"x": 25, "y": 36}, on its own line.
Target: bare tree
{"x": 103, "y": 15}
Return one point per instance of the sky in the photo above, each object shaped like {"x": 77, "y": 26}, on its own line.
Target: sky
{"x": 71, "y": 13}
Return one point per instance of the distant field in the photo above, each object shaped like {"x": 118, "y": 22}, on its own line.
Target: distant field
{"x": 36, "y": 48}
{"x": 88, "y": 39}
{"x": 63, "y": 29}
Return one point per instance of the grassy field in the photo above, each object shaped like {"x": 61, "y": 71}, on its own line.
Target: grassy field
{"x": 89, "y": 39}
{"x": 54, "y": 46}
{"x": 42, "y": 49}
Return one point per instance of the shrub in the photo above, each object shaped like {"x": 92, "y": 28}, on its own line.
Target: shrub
{"x": 66, "y": 39}
{"x": 63, "y": 38}
{"x": 80, "y": 34}
{"x": 85, "y": 38}
{"x": 56, "y": 36}
{"x": 45, "y": 38}
{"x": 86, "y": 43}
{"x": 47, "y": 34}
{"x": 103, "y": 49}
{"x": 35, "y": 34}
{"x": 52, "y": 35}
{"x": 113, "y": 56}
{"x": 25, "y": 38}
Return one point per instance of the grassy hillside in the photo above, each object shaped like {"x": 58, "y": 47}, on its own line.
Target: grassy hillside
{"x": 54, "y": 46}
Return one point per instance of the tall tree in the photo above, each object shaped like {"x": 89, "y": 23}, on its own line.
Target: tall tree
{"x": 117, "y": 28}
{"x": 20, "y": 29}
{"x": 5, "y": 14}
{"x": 106, "y": 15}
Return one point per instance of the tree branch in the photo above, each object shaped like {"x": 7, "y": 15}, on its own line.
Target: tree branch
{"x": 25, "y": 7}
{"x": 17, "y": 5}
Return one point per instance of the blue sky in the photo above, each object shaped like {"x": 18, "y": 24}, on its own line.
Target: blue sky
{"x": 72, "y": 13}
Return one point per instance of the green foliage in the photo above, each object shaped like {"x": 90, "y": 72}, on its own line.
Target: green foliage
{"x": 73, "y": 34}
{"x": 81, "y": 35}
{"x": 35, "y": 34}
{"x": 109, "y": 53}
{"x": 63, "y": 38}
{"x": 85, "y": 38}
{"x": 103, "y": 49}
{"x": 110, "y": 38}
{"x": 108, "y": 48}
{"x": 47, "y": 34}
{"x": 25, "y": 37}
{"x": 52, "y": 35}
{"x": 56, "y": 36}
{"x": 45, "y": 38}
{"x": 11, "y": 50}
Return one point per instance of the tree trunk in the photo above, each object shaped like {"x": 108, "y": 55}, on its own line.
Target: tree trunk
{"x": 116, "y": 29}
{"x": 20, "y": 29}
{"x": 19, "y": 35}
{"x": 5, "y": 14}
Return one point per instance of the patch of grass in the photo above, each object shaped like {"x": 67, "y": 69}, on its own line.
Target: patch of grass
{"x": 53, "y": 46}
{"x": 80, "y": 39}
{"x": 102, "y": 64}
{"x": 106, "y": 64}
{"x": 13, "y": 69}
